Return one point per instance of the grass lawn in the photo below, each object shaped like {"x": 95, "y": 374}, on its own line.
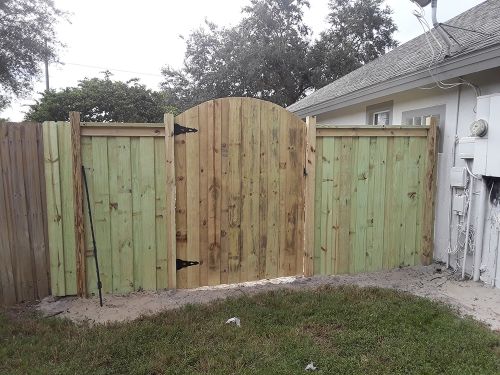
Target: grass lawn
{"x": 344, "y": 330}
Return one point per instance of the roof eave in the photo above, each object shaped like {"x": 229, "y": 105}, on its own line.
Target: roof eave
{"x": 464, "y": 64}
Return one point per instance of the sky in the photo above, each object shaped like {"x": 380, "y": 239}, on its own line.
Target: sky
{"x": 135, "y": 39}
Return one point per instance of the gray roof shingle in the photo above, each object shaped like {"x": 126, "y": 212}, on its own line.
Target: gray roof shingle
{"x": 415, "y": 55}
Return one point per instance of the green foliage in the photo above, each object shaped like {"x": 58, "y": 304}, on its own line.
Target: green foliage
{"x": 343, "y": 330}
{"x": 27, "y": 37}
{"x": 263, "y": 56}
{"x": 360, "y": 31}
{"x": 102, "y": 100}
{"x": 269, "y": 54}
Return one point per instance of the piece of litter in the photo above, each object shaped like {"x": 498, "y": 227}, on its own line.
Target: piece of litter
{"x": 311, "y": 367}
{"x": 234, "y": 320}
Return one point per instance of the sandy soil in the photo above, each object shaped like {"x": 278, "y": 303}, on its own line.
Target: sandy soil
{"x": 469, "y": 298}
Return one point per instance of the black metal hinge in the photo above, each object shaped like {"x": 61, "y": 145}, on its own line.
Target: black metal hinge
{"x": 179, "y": 129}
{"x": 179, "y": 264}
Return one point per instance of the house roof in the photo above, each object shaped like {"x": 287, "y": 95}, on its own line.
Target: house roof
{"x": 412, "y": 57}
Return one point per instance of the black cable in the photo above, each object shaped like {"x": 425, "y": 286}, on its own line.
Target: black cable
{"x": 99, "y": 284}
{"x": 465, "y": 29}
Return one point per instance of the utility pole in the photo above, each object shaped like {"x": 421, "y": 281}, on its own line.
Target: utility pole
{"x": 46, "y": 61}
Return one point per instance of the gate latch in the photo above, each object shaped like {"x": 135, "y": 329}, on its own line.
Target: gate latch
{"x": 179, "y": 129}
{"x": 179, "y": 264}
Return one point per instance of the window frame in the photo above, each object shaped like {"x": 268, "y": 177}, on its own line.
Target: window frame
{"x": 371, "y": 110}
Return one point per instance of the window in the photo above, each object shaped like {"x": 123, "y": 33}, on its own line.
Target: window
{"x": 381, "y": 118}
{"x": 419, "y": 117}
{"x": 379, "y": 114}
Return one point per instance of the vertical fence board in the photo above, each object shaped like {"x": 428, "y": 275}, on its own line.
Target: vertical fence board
{"x": 250, "y": 162}
{"x": 234, "y": 190}
{"x": 102, "y": 211}
{"x": 148, "y": 207}
{"x": 54, "y": 208}
{"x": 310, "y": 169}
{"x": 193, "y": 197}
{"x": 205, "y": 123}
{"x": 363, "y": 178}
{"x": 90, "y": 271}
{"x": 170, "y": 177}
{"x": 318, "y": 207}
{"x": 224, "y": 192}
{"x": 24, "y": 268}
{"x": 271, "y": 168}
{"x": 161, "y": 228}
{"x": 7, "y": 265}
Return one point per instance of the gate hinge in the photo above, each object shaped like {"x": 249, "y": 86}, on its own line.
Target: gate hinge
{"x": 179, "y": 129}
{"x": 179, "y": 264}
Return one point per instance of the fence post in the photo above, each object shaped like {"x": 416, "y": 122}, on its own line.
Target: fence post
{"x": 171, "y": 192}
{"x": 309, "y": 195}
{"x": 81, "y": 282}
{"x": 429, "y": 193}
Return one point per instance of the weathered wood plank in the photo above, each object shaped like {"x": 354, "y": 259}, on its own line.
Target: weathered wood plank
{"x": 410, "y": 203}
{"x": 205, "y": 122}
{"x": 371, "y": 131}
{"x": 270, "y": 117}
{"x": 35, "y": 216}
{"x": 102, "y": 211}
{"x": 161, "y": 213}
{"x": 170, "y": 175}
{"x": 309, "y": 195}
{"x": 213, "y": 195}
{"x": 327, "y": 241}
{"x": 224, "y": 191}
{"x": 430, "y": 194}
{"x": 54, "y": 208}
{"x": 8, "y": 285}
{"x": 68, "y": 207}
{"x": 120, "y": 189}
{"x": 76, "y": 155}
{"x": 379, "y": 181}
{"x": 193, "y": 196}
{"x": 342, "y": 259}
{"x": 148, "y": 208}
{"x": 250, "y": 190}
{"x": 318, "y": 206}
{"x": 106, "y": 131}
{"x": 363, "y": 175}
{"x": 234, "y": 189}
{"x": 181, "y": 202}
{"x": 137, "y": 214}
{"x": 90, "y": 271}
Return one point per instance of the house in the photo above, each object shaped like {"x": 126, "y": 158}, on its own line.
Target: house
{"x": 458, "y": 85}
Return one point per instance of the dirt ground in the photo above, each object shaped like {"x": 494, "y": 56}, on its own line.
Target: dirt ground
{"x": 469, "y": 298}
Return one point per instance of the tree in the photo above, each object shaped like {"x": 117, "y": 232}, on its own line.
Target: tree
{"x": 27, "y": 38}
{"x": 102, "y": 100}
{"x": 360, "y": 31}
{"x": 263, "y": 56}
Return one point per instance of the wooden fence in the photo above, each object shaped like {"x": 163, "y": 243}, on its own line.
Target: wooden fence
{"x": 24, "y": 271}
{"x": 242, "y": 188}
{"x": 125, "y": 168}
{"x": 374, "y": 198}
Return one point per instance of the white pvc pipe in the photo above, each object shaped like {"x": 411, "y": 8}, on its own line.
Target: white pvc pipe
{"x": 481, "y": 215}
{"x": 467, "y": 231}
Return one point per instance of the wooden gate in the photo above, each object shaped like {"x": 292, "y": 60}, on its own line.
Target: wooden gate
{"x": 240, "y": 192}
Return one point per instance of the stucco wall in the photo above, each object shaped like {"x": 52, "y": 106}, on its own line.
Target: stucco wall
{"x": 460, "y": 105}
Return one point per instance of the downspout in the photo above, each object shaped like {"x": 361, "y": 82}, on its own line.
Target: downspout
{"x": 441, "y": 32}
{"x": 480, "y": 231}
